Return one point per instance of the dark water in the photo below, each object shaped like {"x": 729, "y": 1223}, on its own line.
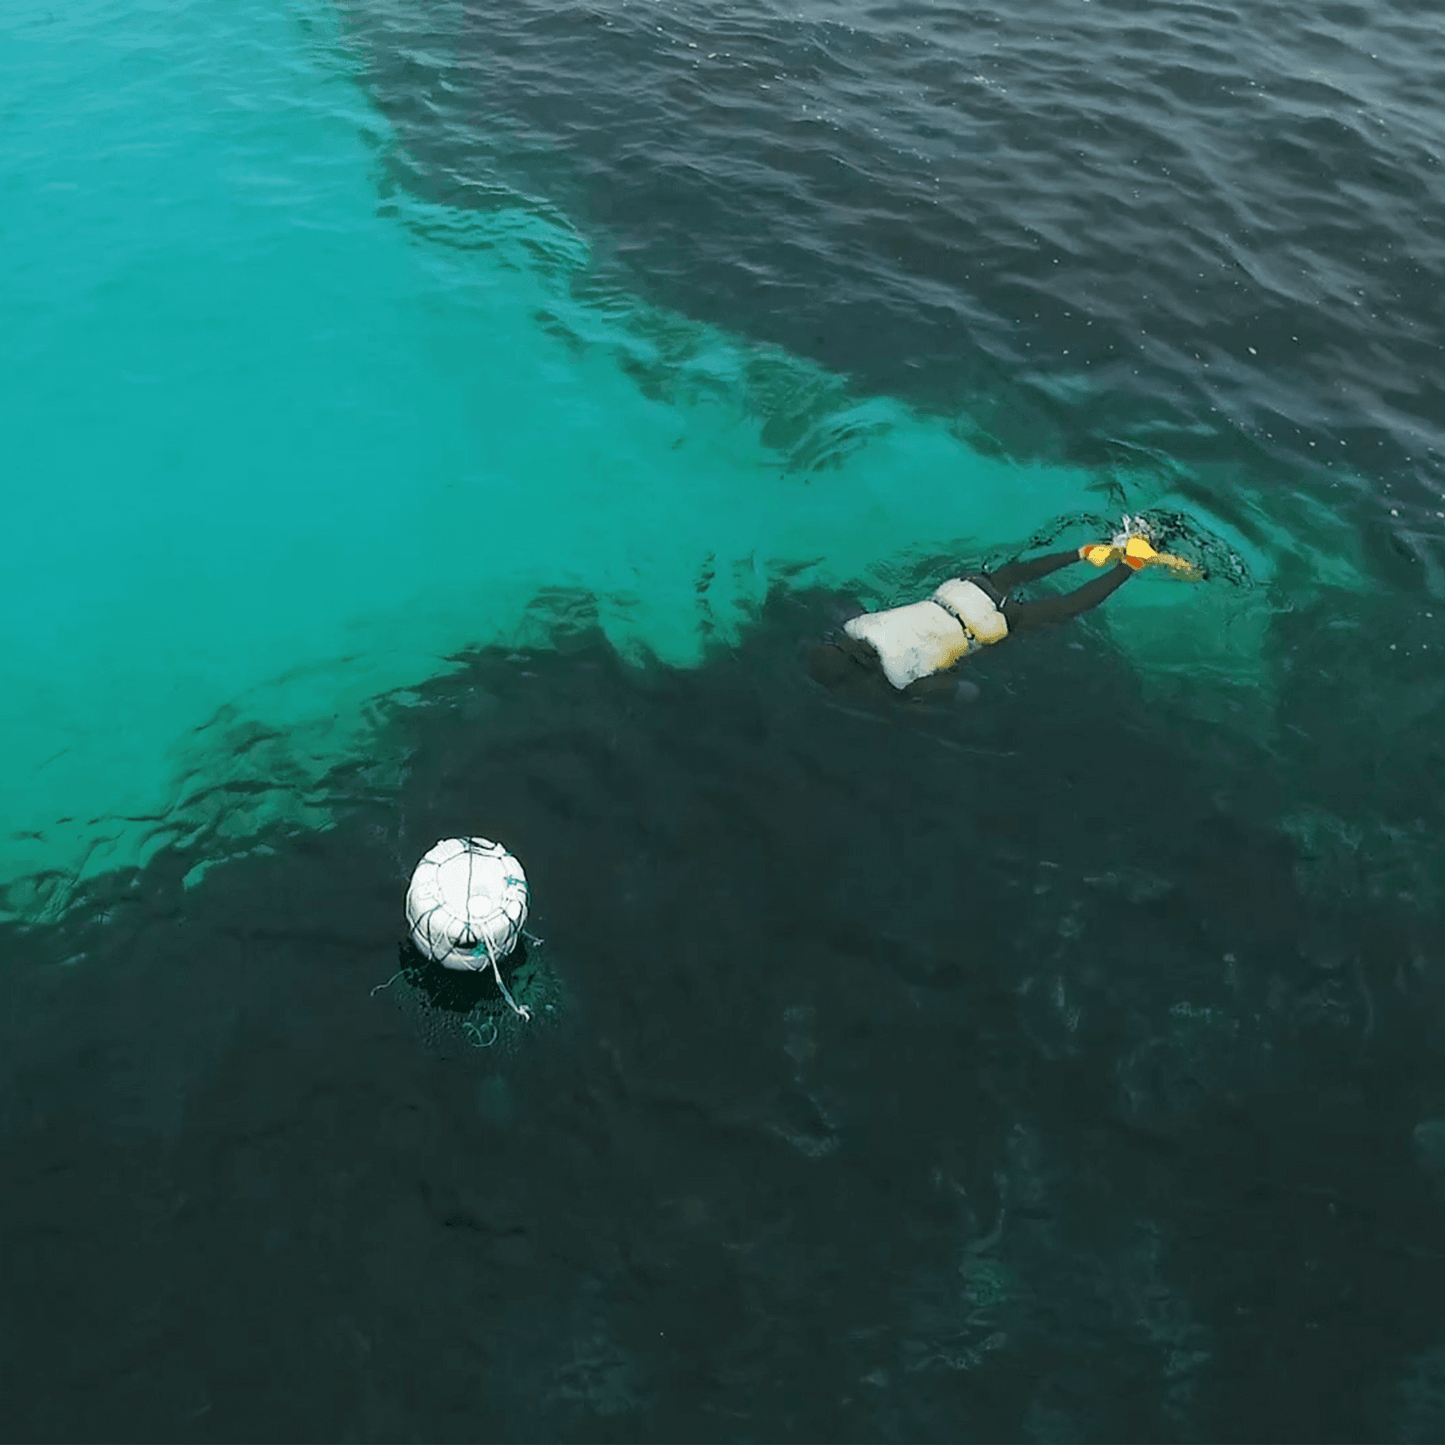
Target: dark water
{"x": 934, "y": 1072}
{"x": 1062, "y": 1064}
{"x": 1208, "y": 230}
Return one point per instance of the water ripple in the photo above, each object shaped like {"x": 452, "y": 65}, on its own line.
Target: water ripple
{"x": 1221, "y": 220}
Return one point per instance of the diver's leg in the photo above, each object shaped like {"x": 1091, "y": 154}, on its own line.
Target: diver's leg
{"x": 1016, "y": 574}
{"x": 1029, "y": 616}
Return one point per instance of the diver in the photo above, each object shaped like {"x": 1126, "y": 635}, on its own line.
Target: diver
{"x": 911, "y": 646}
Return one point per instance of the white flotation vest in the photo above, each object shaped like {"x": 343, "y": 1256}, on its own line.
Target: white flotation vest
{"x": 927, "y": 637}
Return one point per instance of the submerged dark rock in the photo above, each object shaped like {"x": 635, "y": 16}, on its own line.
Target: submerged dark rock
{"x": 896, "y": 1071}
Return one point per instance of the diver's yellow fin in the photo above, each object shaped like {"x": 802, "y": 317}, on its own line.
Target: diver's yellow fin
{"x": 1181, "y": 566}
{"x": 1139, "y": 552}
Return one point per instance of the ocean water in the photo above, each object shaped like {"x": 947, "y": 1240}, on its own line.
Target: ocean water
{"x": 425, "y": 419}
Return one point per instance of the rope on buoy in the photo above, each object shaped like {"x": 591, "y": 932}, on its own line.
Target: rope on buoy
{"x": 521, "y": 1010}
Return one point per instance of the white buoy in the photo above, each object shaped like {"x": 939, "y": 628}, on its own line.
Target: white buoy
{"x": 467, "y": 905}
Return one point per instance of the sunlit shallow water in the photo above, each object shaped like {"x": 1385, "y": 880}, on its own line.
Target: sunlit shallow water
{"x": 274, "y": 452}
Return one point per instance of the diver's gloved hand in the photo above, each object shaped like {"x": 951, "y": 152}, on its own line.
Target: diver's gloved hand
{"x": 1101, "y": 554}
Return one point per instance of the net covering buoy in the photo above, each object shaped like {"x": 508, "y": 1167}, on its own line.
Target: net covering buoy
{"x": 467, "y": 903}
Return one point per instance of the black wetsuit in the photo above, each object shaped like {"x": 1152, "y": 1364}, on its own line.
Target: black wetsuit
{"x": 1045, "y": 611}
{"x": 841, "y": 660}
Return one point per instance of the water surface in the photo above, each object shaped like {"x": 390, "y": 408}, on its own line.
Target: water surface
{"x": 426, "y": 419}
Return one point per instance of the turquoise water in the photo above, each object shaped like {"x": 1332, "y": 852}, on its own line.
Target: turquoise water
{"x": 280, "y": 442}
{"x": 1056, "y": 1058}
